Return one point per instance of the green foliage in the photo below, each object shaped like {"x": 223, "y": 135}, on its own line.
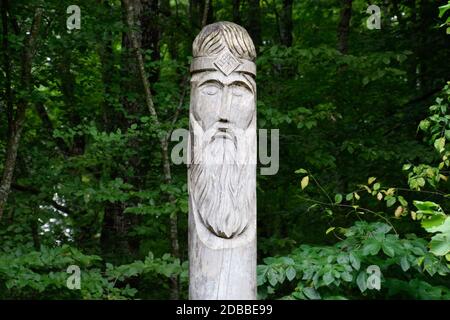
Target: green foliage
{"x": 442, "y": 10}
{"x": 406, "y": 263}
{"x": 340, "y": 271}
{"x": 42, "y": 274}
{"x": 89, "y": 185}
{"x": 435, "y": 221}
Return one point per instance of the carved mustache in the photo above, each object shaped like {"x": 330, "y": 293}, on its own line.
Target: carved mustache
{"x": 224, "y": 131}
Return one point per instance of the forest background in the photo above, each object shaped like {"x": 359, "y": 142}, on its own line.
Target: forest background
{"x": 85, "y": 122}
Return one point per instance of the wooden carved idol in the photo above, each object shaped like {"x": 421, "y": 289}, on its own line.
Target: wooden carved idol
{"x": 222, "y": 164}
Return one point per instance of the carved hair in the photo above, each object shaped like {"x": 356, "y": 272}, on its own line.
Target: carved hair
{"x": 220, "y": 35}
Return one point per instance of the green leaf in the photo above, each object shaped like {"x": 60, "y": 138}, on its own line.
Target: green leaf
{"x": 260, "y": 279}
{"x": 304, "y": 182}
{"x": 290, "y": 273}
{"x": 311, "y": 293}
{"x": 402, "y": 201}
{"x": 361, "y": 281}
{"x": 287, "y": 260}
{"x": 447, "y": 134}
{"x": 342, "y": 259}
{"x": 329, "y": 230}
{"x": 443, "y": 227}
{"x": 376, "y": 186}
{"x": 387, "y": 249}
{"x": 365, "y": 81}
{"x": 354, "y": 260}
{"x": 439, "y": 144}
{"x": 440, "y": 244}
{"x": 421, "y": 182}
{"x": 390, "y": 201}
{"x": 433, "y": 221}
{"x": 427, "y": 207}
{"x": 301, "y": 171}
{"x": 328, "y": 278}
{"x": 338, "y": 198}
{"x": 424, "y": 125}
{"x": 404, "y": 263}
{"x": 346, "y": 276}
{"x": 406, "y": 167}
{"x": 272, "y": 277}
{"x": 443, "y": 9}
{"x": 371, "y": 247}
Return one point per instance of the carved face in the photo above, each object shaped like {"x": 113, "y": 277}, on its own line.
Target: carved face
{"x": 225, "y": 101}
{"x": 223, "y": 108}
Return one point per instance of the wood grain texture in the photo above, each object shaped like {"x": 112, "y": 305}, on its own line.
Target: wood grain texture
{"x": 222, "y": 170}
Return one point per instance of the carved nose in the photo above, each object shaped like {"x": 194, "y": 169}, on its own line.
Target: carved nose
{"x": 224, "y": 112}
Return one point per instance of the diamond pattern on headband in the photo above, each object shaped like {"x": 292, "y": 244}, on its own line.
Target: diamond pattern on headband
{"x": 226, "y": 62}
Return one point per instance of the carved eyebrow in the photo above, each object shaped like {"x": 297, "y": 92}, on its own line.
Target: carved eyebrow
{"x": 212, "y": 81}
{"x": 241, "y": 83}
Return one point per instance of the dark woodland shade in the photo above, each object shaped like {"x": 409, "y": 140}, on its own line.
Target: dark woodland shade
{"x": 220, "y": 35}
{"x": 337, "y": 119}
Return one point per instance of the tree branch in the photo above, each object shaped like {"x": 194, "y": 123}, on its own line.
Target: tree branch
{"x": 344, "y": 25}
{"x": 16, "y": 127}
{"x": 180, "y": 105}
{"x": 163, "y": 137}
{"x": 7, "y": 64}
{"x": 205, "y": 13}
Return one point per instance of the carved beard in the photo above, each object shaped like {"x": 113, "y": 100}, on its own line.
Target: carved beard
{"x": 222, "y": 183}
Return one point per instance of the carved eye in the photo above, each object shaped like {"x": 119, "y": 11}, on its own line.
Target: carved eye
{"x": 210, "y": 89}
{"x": 239, "y": 90}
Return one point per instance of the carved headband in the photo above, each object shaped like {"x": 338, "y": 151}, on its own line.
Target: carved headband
{"x": 226, "y": 63}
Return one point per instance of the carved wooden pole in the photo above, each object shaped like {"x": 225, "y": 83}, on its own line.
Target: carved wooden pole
{"x": 222, "y": 170}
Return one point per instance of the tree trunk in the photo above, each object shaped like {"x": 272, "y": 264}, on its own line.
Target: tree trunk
{"x": 68, "y": 83}
{"x": 150, "y": 34}
{"x": 197, "y": 10}
{"x": 254, "y": 22}
{"x": 129, "y": 71}
{"x": 16, "y": 127}
{"x": 115, "y": 228}
{"x": 236, "y": 11}
{"x": 163, "y": 140}
{"x": 344, "y": 25}
{"x": 7, "y": 64}
{"x": 193, "y": 14}
{"x": 106, "y": 55}
{"x": 426, "y": 27}
{"x": 205, "y": 12}
{"x": 168, "y": 19}
{"x": 286, "y": 23}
